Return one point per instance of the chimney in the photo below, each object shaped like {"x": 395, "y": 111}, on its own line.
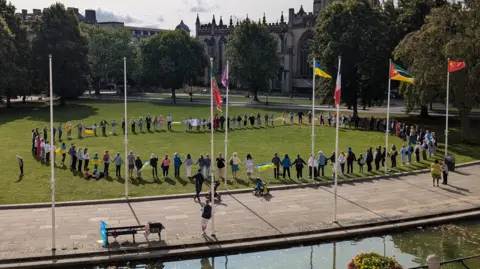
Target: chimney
{"x": 37, "y": 12}
{"x": 24, "y": 13}
{"x": 90, "y": 16}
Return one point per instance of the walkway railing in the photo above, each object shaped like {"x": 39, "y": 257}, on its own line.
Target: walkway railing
{"x": 459, "y": 260}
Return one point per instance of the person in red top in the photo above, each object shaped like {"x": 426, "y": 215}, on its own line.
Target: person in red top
{"x": 106, "y": 162}
{"x": 165, "y": 166}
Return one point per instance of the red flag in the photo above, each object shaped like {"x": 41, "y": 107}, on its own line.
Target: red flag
{"x": 455, "y": 66}
{"x": 338, "y": 89}
{"x": 216, "y": 92}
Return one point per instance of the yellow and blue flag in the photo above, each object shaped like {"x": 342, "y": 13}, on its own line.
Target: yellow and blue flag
{"x": 318, "y": 70}
{"x": 265, "y": 166}
{"x": 145, "y": 165}
{"x": 88, "y": 130}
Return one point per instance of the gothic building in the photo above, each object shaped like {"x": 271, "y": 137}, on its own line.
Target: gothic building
{"x": 294, "y": 35}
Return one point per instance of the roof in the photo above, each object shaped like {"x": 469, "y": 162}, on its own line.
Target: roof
{"x": 182, "y": 26}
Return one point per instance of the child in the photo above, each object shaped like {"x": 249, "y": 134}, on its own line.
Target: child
{"x": 94, "y": 127}
{"x": 20, "y": 164}
{"x": 86, "y": 174}
{"x": 96, "y": 161}
{"x": 98, "y": 174}
{"x": 361, "y": 162}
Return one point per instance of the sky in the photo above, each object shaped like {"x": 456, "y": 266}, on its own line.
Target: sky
{"x": 167, "y": 14}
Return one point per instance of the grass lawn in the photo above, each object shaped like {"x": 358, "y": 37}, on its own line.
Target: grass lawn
{"x": 16, "y": 125}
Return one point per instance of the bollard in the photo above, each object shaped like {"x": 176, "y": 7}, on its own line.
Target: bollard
{"x": 433, "y": 262}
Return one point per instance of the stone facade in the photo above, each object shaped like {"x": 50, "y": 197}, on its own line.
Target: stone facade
{"x": 294, "y": 35}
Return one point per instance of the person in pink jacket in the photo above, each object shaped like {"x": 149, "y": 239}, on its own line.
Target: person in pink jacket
{"x": 165, "y": 166}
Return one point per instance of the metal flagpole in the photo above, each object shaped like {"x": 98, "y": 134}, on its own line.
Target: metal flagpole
{"x": 226, "y": 132}
{"x": 126, "y": 126}
{"x": 337, "y": 119}
{"x": 446, "y": 116}
{"x": 313, "y": 116}
{"x": 52, "y": 161}
{"x": 387, "y": 129}
{"x": 212, "y": 174}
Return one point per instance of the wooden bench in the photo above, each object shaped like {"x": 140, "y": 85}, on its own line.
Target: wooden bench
{"x": 151, "y": 227}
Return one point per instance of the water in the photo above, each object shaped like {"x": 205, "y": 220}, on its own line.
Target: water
{"x": 409, "y": 248}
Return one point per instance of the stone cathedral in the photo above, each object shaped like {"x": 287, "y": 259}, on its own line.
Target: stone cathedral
{"x": 294, "y": 35}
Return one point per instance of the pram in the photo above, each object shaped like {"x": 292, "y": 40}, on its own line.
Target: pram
{"x": 261, "y": 188}
{"x": 217, "y": 195}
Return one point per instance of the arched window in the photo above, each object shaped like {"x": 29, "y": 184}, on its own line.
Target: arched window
{"x": 304, "y": 50}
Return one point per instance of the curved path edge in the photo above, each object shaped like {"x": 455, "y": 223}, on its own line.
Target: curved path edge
{"x": 218, "y": 248}
{"x": 189, "y": 195}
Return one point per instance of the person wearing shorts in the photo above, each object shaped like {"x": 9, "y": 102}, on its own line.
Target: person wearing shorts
{"x": 131, "y": 163}
{"x": 206, "y": 215}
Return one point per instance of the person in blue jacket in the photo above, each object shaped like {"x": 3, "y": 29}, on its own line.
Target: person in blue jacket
{"x": 177, "y": 162}
{"x": 286, "y": 163}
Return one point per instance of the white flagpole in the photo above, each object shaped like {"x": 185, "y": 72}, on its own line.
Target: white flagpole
{"x": 52, "y": 160}
{"x": 446, "y": 116}
{"x": 337, "y": 119}
{"x": 387, "y": 130}
{"x": 313, "y": 117}
{"x": 226, "y": 132}
{"x": 126, "y": 125}
{"x": 212, "y": 174}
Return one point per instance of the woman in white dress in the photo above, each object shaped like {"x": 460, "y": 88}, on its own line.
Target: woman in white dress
{"x": 188, "y": 162}
{"x": 249, "y": 164}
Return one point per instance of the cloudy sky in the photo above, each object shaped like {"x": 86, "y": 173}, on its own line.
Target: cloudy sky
{"x": 167, "y": 14}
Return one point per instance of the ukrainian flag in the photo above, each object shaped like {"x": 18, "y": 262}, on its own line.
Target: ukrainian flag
{"x": 265, "y": 166}
{"x": 145, "y": 165}
{"x": 318, "y": 70}
{"x": 60, "y": 151}
{"x": 88, "y": 130}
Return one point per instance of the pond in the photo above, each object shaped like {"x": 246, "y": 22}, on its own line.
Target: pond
{"x": 410, "y": 248}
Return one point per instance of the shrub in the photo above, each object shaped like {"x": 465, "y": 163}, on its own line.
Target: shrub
{"x": 373, "y": 261}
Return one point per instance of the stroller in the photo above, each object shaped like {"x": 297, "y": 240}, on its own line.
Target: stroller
{"x": 217, "y": 195}
{"x": 261, "y": 188}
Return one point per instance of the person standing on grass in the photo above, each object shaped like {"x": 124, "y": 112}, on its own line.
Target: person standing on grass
{"x": 155, "y": 123}
{"x": 106, "y": 162}
{"x": 148, "y": 121}
{"x": 114, "y": 127}
{"x": 63, "y": 149}
{"x": 132, "y": 124}
{"x": 165, "y": 166}
{"x": 80, "y": 159}
{"x": 20, "y": 164}
{"x": 161, "y": 122}
{"x": 68, "y": 127}
{"x": 103, "y": 125}
{"x": 393, "y": 156}
{"x": 341, "y": 160}
{"x": 300, "y": 117}
{"x": 384, "y": 156}
{"x": 276, "y": 162}
{"x": 177, "y": 162}
{"x": 154, "y": 165}
{"x": 350, "y": 159}
{"x": 201, "y": 164}
{"x": 234, "y": 163}
{"x": 417, "y": 152}
{"x": 403, "y": 154}
{"x": 291, "y": 116}
{"x": 73, "y": 158}
{"x": 445, "y": 173}
{"x": 309, "y": 117}
{"x": 33, "y": 140}
{"x": 60, "y": 131}
{"x": 206, "y": 215}
{"x": 79, "y": 129}
{"x": 312, "y": 169}
{"x": 47, "y": 152}
{"x": 188, "y": 162}
{"x": 138, "y": 166}
{"x": 131, "y": 163}
{"x": 199, "y": 179}
{"x": 169, "y": 122}
{"x": 42, "y": 149}
{"x": 286, "y": 163}
{"x": 45, "y": 133}
{"x": 436, "y": 172}
{"x": 377, "y": 156}
{"x": 96, "y": 161}
{"x": 321, "y": 163}
{"x": 123, "y": 125}
{"x": 409, "y": 151}
{"x": 245, "y": 118}
{"x": 369, "y": 159}
{"x": 208, "y": 165}
{"x": 86, "y": 158}
{"x": 424, "y": 150}
{"x": 140, "y": 124}
{"x": 220, "y": 161}
{"x": 95, "y": 127}
{"x": 239, "y": 122}
{"x": 118, "y": 164}
{"x": 249, "y": 164}
{"x": 299, "y": 164}
{"x": 361, "y": 162}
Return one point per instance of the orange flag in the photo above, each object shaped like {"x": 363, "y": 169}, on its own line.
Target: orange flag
{"x": 455, "y": 66}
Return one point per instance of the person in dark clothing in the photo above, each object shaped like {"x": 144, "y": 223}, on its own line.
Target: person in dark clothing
{"x": 277, "y": 162}
{"x": 369, "y": 159}
{"x": 154, "y": 164}
{"x": 252, "y": 120}
{"x": 139, "y": 165}
{"x": 123, "y": 126}
{"x": 300, "y": 117}
{"x": 206, "y": 215}
{"x": 299, "y": 163}
{"x": 73, "y": 154}
{"x": 148, "y": 121}
{"x": 286, "y": 163}
{"x": 103, "y": 124}
{"x": 384, "y": 156}
{"x": 198, "y": 177}
{"x": 378, "y": 158}
{"x": 350, "y": 159}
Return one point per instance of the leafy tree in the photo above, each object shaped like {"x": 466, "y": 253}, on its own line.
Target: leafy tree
{"x": 8, "y": 56}
{"x": 450, "y": 32}
{"x": 107, "y": 48}
{"x": 252, "y": 51}
{"x": 58, "y": 33}
{"x": 357, "y": 32}
{"x": 19, "y": 71}
{"x": 171, "y": 59}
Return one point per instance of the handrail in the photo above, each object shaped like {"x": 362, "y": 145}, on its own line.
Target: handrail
{"x": 460, "y": 260}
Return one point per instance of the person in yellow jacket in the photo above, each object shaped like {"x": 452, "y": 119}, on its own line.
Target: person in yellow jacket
{"x": 436, "y": 172}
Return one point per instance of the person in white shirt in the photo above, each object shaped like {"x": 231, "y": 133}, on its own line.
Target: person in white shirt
{"x": 86, "y": 158}
{"x": 312, "y": 169}
{"x": 186, "y": 124}
{"x": 20, "y": 164}
{"x": 341, "y": 160}
{"x": 53, "y": 150}
{"x": 249, "y": 164}
{"x": 42, "y": 149}
{"x": 47, "y": 152}
{"x": 169, "y": 122}
{"x": 80, "y": 159}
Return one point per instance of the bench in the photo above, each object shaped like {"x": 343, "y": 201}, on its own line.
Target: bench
{"x": 151, "y": 227}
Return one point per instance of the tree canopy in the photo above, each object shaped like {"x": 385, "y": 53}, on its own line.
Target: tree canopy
{"x": 252, "y": 51}
{"x": 58, "y": 33}
{"x": 172, "y": 59}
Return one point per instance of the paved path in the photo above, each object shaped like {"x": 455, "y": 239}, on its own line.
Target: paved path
{"x": 27, "y": 232}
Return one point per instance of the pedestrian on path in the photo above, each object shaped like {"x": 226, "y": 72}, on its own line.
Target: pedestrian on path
{"x": 435, "y": 171}
{"x": 206, "y": 215}
{"x": 445, "y": 173}
{"x": 198, "y": 177}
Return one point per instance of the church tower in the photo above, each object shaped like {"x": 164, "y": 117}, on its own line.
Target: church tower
{"x": 317, "y": 6}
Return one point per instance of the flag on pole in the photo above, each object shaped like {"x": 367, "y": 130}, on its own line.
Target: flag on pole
{"x": 338, "y": 88}
{"x": 318, "y": 70}
{"x": 225, "y": 77}
{"x": 216, "y": 92}
{"x": 400, "y": 74}
{"x": 455, "y": 66}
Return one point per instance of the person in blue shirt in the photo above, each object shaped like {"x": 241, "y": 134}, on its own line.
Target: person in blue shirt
{"x": 177, "y": 162}
{"x": 286, "y": 163}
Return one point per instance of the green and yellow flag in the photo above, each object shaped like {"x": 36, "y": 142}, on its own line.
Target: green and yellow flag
{"x": 400, "y": 74}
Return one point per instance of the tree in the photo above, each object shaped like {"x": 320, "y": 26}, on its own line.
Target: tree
{"x": 19, "y": 72}
{"x": 450, "y": 32}
{"x": 170, "y": 59}
{"x": 8, "y": 56}
{"x": 357, "y": 32}
{"x": 58, "y": 33}
{"x": 252, "y": 51}
{"x": 107, "y": 48}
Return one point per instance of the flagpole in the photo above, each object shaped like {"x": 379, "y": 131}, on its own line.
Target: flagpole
{"x": 446, "y": 113}
{"x": 226, "y": 132}
{"x": 313, "y": 117}
{"x": 125, "y": 116}
{"x": 336, "y": 150}
{"x": 52, "y": 161}
{"x": 387, "y": 130}
{"x": 211, "y": 147}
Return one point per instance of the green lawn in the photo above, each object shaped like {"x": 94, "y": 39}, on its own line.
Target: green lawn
{"x": 16, "y": 125}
